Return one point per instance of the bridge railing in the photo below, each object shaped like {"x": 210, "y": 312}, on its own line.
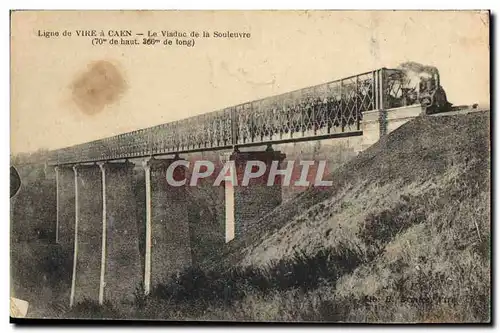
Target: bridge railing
{"x": 318, "y": 111}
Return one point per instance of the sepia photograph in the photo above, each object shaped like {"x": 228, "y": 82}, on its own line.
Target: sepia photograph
{"x": 286, "y": 166}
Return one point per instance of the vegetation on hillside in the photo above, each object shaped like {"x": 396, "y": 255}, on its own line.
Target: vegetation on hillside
{"x": 402, "y": 236}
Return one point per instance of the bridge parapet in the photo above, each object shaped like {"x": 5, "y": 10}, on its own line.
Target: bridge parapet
{"x": 326, "y": 110}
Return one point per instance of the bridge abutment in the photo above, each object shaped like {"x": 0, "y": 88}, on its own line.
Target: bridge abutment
{"x": 399, "y": 116}
{"x": 378, "y": 123}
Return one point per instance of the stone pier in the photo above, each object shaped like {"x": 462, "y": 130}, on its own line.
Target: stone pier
{"x": 167, "y": 244}
{"x": 245, "y": 204}
{"x": 65, "y": 201}
{"x": 105, "y": 237}
{"x": 88, "y": 234}
{"x": 121, "y": 263}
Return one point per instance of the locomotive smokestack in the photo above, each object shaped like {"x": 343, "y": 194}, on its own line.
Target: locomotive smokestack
{"x": 425, "y": 79}
{"x": 414, "y": 71}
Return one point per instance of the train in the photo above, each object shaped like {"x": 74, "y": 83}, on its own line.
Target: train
{"x": 423, "y": 84}
{"x": 324, "y": 110}
{"x": 341, "y": 103}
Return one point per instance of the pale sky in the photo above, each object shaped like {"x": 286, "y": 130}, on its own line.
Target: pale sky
{"x": 286, "y": 51}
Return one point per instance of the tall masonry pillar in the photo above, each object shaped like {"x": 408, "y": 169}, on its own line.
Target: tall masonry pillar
{"x": 88, "y": 234}
{"x": 120, "y": 272}
{"x": 246, "y": 204}
{"x": 65, "y": 217}
{"x": 65, "y": 201}
{"x": 167, "y": 246}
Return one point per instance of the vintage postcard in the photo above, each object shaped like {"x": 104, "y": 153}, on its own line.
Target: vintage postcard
{"x": 251, "y": 166}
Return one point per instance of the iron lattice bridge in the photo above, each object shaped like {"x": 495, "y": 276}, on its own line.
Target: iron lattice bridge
{"x": 332, "y": 109}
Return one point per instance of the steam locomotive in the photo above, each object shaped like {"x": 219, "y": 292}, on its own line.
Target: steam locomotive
{"x": 419, "y": 85}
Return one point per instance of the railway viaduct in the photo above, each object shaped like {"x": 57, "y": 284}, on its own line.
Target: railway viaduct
{"x": 128, "y": 227}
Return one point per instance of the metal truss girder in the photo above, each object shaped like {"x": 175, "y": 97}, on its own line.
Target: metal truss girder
{"x": 303, "y": 114}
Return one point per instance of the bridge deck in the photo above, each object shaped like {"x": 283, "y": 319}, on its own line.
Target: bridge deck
{"x": 328, "y": 110}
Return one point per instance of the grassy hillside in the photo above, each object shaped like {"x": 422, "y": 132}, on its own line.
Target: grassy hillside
{"x": 416, "y": 206}
{"x": 402, "y": 236}
{"x": 427, "y": 169}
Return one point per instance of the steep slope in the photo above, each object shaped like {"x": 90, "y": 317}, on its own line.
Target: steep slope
{"x": 415, "y": 207}
{"x": 413, "y": 163}
{"x": 402, "y": 236}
